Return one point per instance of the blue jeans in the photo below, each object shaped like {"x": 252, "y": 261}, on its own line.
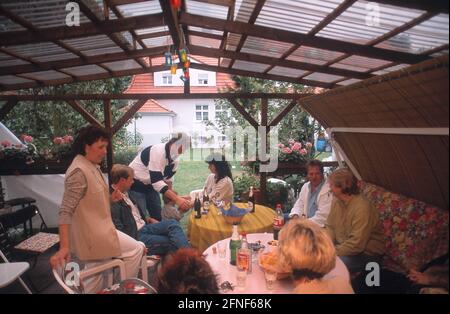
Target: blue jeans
{"x": 149, "y": 201}
{"x": 357, "y": 263}
{"x": 163, "y": 237}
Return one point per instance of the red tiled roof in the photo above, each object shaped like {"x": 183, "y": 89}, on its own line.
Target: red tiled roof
{"x": 144, "y": 83}
{"x": 154, "y": 107}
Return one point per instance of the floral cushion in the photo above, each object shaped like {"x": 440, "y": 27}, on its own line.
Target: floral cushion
{"x": 416, "y": 233}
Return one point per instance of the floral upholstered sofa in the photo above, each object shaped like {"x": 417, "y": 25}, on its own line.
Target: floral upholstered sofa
{"x": 415, "y": 232}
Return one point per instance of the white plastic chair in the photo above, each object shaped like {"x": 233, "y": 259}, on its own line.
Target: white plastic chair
{"x": 147, "y": 262}
{"x": 9, "y": 272}
{"x": 85, "y": 273}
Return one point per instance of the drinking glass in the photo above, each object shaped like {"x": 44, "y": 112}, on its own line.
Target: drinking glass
{"x": 271, "y": 278}
{"x": 222, "y": 248}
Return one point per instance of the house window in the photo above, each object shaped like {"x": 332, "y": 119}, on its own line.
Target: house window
{"x": 201, "y": 112}
{"x": 167, "y": 79}
{"x": 203, "y": 79}
{"x": 221, "y": 109}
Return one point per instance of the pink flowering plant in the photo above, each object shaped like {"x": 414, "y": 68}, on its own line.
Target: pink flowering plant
{"x": 24, "y": 152}
{"x": 61, "y": 148}
{"x": 295, "y": 151}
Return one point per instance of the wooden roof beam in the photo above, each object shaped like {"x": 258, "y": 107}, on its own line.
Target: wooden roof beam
{"x": 261, "y": 75}
{"x": 84, "y": 30}
{"x": 91, "y": 16}
{"x": 66, "y": 63}
{"x": 327, "y": 20}
{"x": 147, "y": 96}
{"x": 436, "y": 6}
{"x": 295, "y": 38}
{"x": 178, "y": 39}
{"x": 217, "y": 53}
{"x": 256, "y": 10}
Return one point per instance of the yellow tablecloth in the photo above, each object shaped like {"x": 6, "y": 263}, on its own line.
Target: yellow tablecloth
{"x": 212, "y": 227}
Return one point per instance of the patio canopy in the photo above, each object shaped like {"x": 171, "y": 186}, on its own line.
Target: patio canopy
{"x": 324, "y": 43}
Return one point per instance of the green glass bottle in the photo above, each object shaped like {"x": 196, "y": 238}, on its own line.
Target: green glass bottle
{"x": 235, "y": 244}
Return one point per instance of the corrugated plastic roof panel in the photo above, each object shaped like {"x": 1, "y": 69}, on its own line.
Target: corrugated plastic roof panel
{"x": 6, "y": 60}
{"x": 289, "y": 72}
{"x": 12, "y": 79}
{"x": 360, "y": 64}
{"x": 42, "y": 13}
{"x": 122, "y": 65}
{"x": 425, "y": 36}
{"x": 6, "y": 25}
{"x": 46, "y": 75}
{"x": 158, "y": 41}
{"x": 233, "y": 41}
{"x": 140, "y": 8}
{"x": 391, "y": 69}
{"x": 85, "y": 70}
{"x": 250, "y": 66}
{"x": 45, "y": 51}
{"x": 93, "y": 45}
{"x": 349, "y": 82}
{"x": 243, "y": 10}
{"x": 207, "y": 9}
{"x": 313, "y": 55}
{"x": 294, "y": 15}
{"x": 225, "y": 62}
{"x": 205, "y": 30}
{"x": 204, "y": 42}
{"x": 152, "y": 30}
{"x": 265, "y": 47}
{"x": 365, "y": 21}
{"x": 322, "y": 77}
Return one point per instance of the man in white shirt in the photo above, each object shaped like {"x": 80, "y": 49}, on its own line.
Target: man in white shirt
{"x": 154, "y": 168}
{"x": 314, "y": 201}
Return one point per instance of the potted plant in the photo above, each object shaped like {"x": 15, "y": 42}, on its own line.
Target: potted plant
{"x": 242, "y": 186}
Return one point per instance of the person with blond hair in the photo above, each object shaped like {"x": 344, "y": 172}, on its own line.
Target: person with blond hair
{"x": 353, "y": 223}
{"x": 307, "y": 251}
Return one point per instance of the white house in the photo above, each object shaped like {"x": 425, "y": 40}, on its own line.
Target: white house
{"x": 161, "y": 117}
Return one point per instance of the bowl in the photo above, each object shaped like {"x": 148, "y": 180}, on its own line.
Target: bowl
{"x": 234, "y": 214}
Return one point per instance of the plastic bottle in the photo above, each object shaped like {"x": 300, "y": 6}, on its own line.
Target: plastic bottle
{"x": 244, "y": 257}
{"x": 278, "y": 222}
{"x": 235, "y": 244}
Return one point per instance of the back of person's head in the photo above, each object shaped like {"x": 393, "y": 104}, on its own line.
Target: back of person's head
{"x": 222, "y": 166}
{"x": 345, "y": 180}
{"x": 88, "y": 135}
{"x": 306, "y": 249}
{"x": 119, "y": 171}
{"x": 186, "y": 272}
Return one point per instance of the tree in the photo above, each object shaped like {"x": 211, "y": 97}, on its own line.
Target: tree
{"x": 297, "y": 124}
{"x": 45, "y": 120}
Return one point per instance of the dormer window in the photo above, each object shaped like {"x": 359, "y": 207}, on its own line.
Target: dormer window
{"x": 203, "y": 79}
{"x": 167, "y": 79}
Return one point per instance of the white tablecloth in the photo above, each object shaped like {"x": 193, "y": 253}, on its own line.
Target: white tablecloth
{"x": 255, "y": 281}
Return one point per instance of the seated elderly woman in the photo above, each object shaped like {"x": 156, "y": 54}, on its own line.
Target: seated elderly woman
{"x": 186, "y": 272}
{"x": 307, "y": 250}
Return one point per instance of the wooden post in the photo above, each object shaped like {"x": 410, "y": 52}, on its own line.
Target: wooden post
{"x": 108, "y": 128}
{"x": 263, "y": 175}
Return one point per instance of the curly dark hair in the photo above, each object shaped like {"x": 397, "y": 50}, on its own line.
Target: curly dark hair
{"x": 88, "y": 135}
{"x": 186, "y": 272}
{"x": 222, "y": 166}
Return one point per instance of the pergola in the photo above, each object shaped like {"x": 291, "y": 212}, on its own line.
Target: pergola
{"x": 335, "y": 45}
